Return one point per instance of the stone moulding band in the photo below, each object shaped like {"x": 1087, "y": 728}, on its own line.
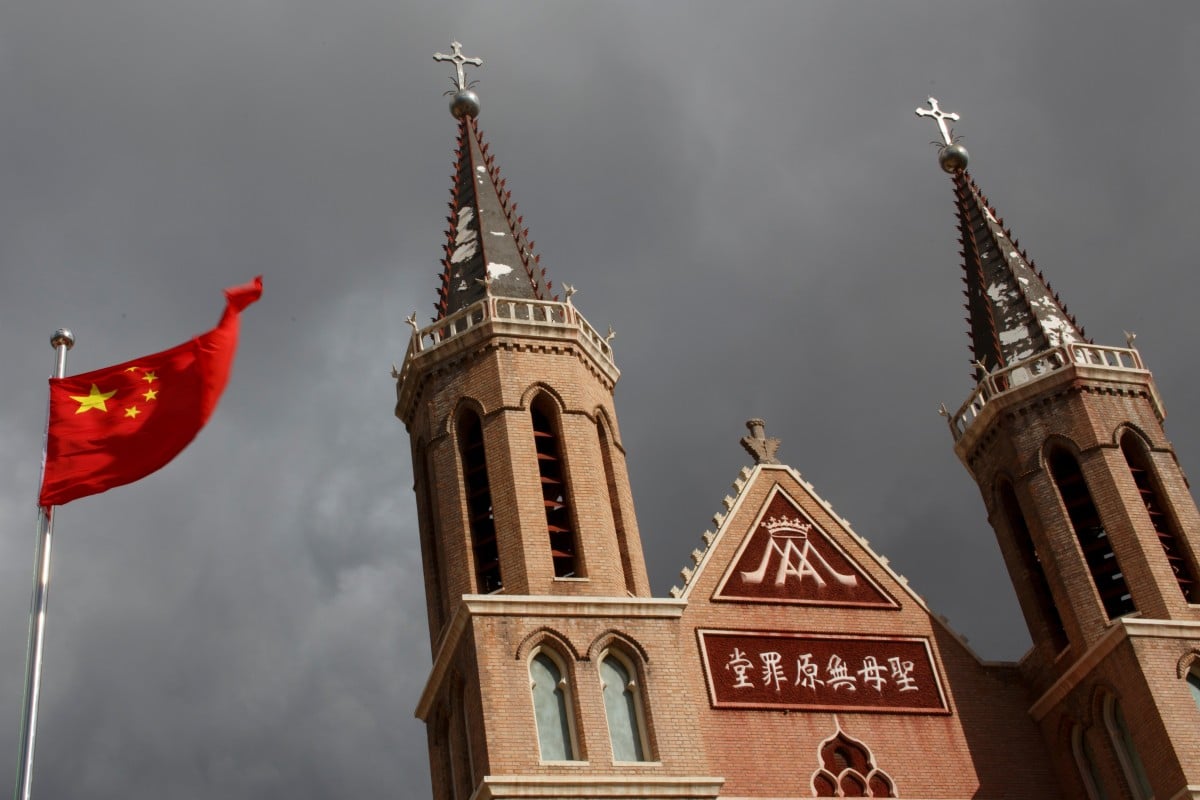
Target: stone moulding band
{"x": 535, "y": 314}
{"x": 544, "y": 320}
{"x": 1021, "y": 373}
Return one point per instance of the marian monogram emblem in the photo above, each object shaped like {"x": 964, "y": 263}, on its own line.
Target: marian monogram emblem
{"x": 788, "y": 558}
{"x": 797, "y": 556}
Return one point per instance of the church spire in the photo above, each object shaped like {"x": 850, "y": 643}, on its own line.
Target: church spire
{"x": 487, "y": 248}
{"x": 1012, "y": 312}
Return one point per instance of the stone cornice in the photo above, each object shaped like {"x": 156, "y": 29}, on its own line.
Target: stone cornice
{"x": 1122, "y": 629}
{"x": 493, "y": 605}
{"x": 500, "y": 323}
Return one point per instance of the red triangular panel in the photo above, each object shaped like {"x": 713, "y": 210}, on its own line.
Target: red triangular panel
{"x": 787, "y": 558}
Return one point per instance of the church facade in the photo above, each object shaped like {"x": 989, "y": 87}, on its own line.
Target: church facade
{"x": 793, "y": 662}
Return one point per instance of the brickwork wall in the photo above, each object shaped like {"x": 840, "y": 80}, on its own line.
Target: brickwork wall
{"x": 987, "y": 746}
{"x": 499, "y": 379}
{"x": 505, "y": 645}
{"x": 1087, "y": 416}
{"x": 1141, "y": 673}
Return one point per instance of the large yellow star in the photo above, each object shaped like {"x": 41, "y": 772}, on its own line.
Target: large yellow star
{"x": 132, "y": 412}
{"x": 94, "y": 399}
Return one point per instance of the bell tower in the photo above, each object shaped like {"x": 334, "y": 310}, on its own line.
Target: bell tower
{"x": 507, "y": 396}
{"x": 1094, "y": 517}
{"x": 519, "y": 467}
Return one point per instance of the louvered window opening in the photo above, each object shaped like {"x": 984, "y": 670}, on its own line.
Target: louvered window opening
{"x": 1093, "y": 539}
{"x": 559, "y": 527}
{"x": 480, "y": 513}
{"x": 1033, "y": 566}
{"x": 1164, "y": 526}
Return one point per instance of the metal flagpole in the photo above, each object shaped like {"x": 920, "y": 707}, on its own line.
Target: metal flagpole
{"x": 62, "y": 341}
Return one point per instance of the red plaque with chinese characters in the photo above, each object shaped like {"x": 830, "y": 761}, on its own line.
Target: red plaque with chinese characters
{"x": 748, "y": 669}
{"x": 788, "y": 558}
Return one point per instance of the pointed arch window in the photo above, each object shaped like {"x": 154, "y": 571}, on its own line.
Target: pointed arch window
{"x": 614, "y": 501}
{"x": 552, "y": 706}
{"x": 1164, "y": 523}
{"x": 1032, "y": 562}
{"x": 1086, "y": 762}
{"x": 480, "y": 514}
{"x": 555, "y": 493}
{"x": 1093, "y": 539}
{"x": 1193, "y": 682}
{"x": 623, "y": 708}
{"x": 1127, "y": 754}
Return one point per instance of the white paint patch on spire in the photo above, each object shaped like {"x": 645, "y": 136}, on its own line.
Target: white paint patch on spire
{"x": 498, "y": 233}
{"x": 466, "y": 240}
{"x": 1015, "y": 335}
{"x": 495, "y": 270}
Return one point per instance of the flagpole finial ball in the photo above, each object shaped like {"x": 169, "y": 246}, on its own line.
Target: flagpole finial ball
{"x": 62, "y": 338}
{"x": 464, "y": 103}
{"x": 953, "y": 158}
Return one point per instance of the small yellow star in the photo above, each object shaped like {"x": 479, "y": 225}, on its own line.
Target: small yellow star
{"x": 132, "y": 412}
{"x": 151, "y": 394}
{"x": 131, "y": 369}
{"x": 93, "y": 399}
{"x": 150, "y": 377}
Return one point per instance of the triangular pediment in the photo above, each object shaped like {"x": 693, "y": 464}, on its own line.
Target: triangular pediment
{"x": 787, "y": 557}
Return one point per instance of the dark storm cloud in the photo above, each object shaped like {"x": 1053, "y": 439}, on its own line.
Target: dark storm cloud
{"x": 742, "y": 191}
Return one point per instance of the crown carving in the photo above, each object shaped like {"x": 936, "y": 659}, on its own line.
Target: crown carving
{"x": 786, "y": 527}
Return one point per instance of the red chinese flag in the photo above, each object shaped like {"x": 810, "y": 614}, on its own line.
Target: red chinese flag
{"x": 116, "y": 425}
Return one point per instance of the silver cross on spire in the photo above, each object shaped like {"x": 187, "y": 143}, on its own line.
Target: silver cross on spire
{"x": 933, "y": 111}
{"x": 460, "y": 61}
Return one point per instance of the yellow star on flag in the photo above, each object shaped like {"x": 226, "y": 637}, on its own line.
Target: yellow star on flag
{"x": 150, "y": 377}
{"x": 151, "y": 394}
{"x": 132, "y": 412}
{"x": 93, "y": 399}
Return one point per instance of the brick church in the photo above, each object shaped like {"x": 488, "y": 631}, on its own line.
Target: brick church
{"x": 557, "y": 674}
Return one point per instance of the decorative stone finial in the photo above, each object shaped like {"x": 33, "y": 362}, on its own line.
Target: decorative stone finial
{"x": 464, "y": 102}
{"x": 758, "y": 445}
{"x": 951, "y": 155}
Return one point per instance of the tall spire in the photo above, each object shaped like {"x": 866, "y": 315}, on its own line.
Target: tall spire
{"x": 487, "y": 249}
{"x": 1011, "y": 310}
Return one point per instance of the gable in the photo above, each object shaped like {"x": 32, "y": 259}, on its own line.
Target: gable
{"x": 786, "y": 557}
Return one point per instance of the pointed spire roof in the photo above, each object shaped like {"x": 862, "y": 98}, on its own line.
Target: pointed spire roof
{"x": 487, "y": 250}
{"x": 1012, "y": 312}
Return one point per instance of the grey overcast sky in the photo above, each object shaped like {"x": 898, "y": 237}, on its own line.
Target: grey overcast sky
{"x": 741, "y": 189}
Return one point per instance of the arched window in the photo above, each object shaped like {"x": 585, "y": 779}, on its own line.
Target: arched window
{"x": 1164, "y": 523}
{"x": 1093, "y": 539}
{"x": 1032, "y": 562}
{"x": 552, "y": 708}
{"x": 555, "y": 492}
{"x": 480, "y": 514}
{"x": 427, "y": 524}
{"x": 610, "y": 480}
{"x": 1127, "y": 754}
{"x": 623, "y": 708}
{"x": 1193, "y": 682}
{"x": 1086, "y": 762}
